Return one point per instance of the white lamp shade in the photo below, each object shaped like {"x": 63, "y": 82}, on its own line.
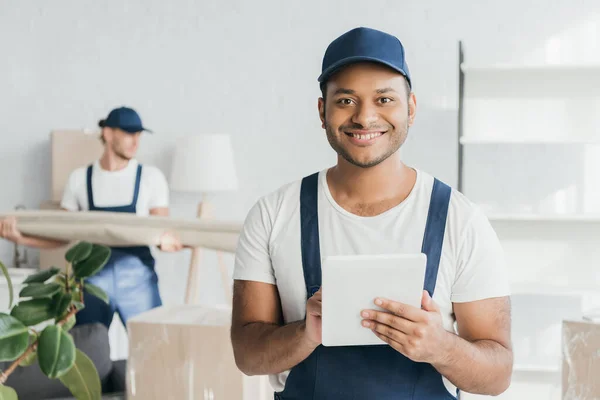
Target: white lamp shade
{"x": 203, "y": 163}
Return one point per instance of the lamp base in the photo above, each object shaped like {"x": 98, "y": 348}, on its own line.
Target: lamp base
{"x": 205, "y": 212}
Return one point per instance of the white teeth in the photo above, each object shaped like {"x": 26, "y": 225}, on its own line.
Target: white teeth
{"x": 367, "y": 136}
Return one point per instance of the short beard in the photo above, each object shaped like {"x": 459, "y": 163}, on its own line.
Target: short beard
{"x": 397, "y": 140}
{"x": 120, "y": 154}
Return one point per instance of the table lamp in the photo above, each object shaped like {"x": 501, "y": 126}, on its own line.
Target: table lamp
{"x": 204, "y": 164}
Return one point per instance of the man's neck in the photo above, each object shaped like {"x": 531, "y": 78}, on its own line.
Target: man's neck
{"x": 383, "y": 186}
{"x": 112, "y": 162}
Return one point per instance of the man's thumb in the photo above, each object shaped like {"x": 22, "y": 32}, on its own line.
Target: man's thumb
{"x": 427, "y": 303}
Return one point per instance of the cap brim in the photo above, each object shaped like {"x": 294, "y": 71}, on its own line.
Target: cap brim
{"x": 353, "y": 60}
{"x": 134, "y": 129}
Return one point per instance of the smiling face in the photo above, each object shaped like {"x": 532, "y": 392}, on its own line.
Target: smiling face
{"x": 366, "y": 113}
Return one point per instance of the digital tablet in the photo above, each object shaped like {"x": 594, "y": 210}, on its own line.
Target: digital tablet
{"x": 351, "y": 283}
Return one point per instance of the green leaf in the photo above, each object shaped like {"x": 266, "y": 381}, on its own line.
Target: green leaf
{"x": 62, "y": 301}
{"x": 7, "y": 393}
{"x": 32, "y": 312}
{"x": 61, "y": 280}
{"x": 14, "y": 338}
{"x": 69, "y": 324}
{"x": 78, "y": 305}
{"x": 96, "y": 291}
{"x": 56, "y": 352}
{"x": 40, "y": 290}
{"x": 77, "y": 296}
{"x": 79, "y": 252}
{"x": 29, "y": 360}
{"x": 42, "y": 276}
{"x": 11, "y": 293}
{"x": 94, "y": 263}
{"x": 82, "y": 380}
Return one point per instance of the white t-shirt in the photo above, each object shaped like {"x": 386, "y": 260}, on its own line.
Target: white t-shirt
{"x": 115, "y": 188}
{"x": 471, "y": 266}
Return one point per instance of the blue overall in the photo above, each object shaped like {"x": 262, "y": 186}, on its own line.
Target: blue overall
{"x": 128, "y": 277}
{"x": 365, "y": 372}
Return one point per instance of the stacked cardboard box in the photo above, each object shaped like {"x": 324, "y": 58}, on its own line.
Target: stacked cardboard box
{"x": 581, "y": 360}
{"x": 184, "y": 352}
{"x": 70, "y": 149}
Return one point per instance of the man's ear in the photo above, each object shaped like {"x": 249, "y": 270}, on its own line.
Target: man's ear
{"x": 321, "y": 106}
{"x": 412, "y": 108}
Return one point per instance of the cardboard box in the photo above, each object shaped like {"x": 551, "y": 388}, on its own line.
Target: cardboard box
{"x": 185, "y": 352}
{"x": 581, "y": 360}
{"x": 71, "y": 149}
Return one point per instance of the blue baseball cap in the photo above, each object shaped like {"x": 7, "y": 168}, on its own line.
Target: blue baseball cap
{"x": 124, "y": 118}
{"x": 364, "y": 44}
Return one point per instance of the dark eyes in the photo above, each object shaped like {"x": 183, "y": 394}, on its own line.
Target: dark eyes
{"x": 347, "y": 102}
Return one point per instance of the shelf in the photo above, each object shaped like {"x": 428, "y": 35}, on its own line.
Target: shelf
{"x": 592, "y": 218}
{"x": 554, "y": 369}
{"x": 532, "y": 141}
{"x": 541, "y": 289}
{"x": 530, "y": 68}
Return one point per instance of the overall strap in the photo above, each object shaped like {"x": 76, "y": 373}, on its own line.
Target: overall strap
{"x": 136, "y": 191}
{"x": 90, "y": 194}
{"x": 309, "y": 222}
{"x": 435, "y": 228}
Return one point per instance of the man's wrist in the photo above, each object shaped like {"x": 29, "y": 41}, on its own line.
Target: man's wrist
{"x": 307, "y": 342}
{"x": 447, "y": 346}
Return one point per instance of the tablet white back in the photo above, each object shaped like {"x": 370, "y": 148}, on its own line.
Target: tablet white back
{"x": 351, "y": 284}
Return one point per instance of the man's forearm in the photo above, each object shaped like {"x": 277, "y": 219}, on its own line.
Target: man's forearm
{"x": 480, "y": 367}
{"x": 40, "y": 243}
{"x": 263, "y": 349}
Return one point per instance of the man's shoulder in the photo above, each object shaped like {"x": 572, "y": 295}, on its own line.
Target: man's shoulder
{"x": 459, "y": 203}
{"x": 78, "y": 175}
{"x": 461, "y": 209}
{"x": 150, "y": 171}
{"x": 282, "y": 202}
{"x": 464, "y": 214}
{"x": 286, "y": 193}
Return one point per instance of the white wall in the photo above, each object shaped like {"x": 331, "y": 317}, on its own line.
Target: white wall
{"x": 249, "y": 69}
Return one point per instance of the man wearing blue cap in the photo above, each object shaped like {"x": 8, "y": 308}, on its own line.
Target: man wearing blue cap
{"x": 115, "y": 183}
{"x": 370, "y": 202}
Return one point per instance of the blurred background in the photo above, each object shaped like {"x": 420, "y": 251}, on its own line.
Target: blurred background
{"x": 508, "y": 112}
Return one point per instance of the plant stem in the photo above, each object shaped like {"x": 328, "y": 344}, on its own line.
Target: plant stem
{"x": 4, "y": 375}
{"x": 81, "y": 291}
{"x": 67, "y": 276}
{"x": 32, "y": 347}
{"x": 66, "y": 318}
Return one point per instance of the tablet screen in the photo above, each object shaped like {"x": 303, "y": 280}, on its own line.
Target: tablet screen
{"x": 351, "y": 284}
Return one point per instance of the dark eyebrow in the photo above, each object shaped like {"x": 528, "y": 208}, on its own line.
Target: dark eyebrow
{"x": 344, "y": 91}
{"x": 385, "y": 90}
{"x": 352, "y": 92}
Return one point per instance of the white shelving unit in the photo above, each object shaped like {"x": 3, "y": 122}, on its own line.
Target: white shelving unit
{"x": 526, "y": 141}
{"x": 528, "y": 68}
{"x": 535, "y": 288}
{"x": 551, "y": 218}
{"x": 528, "y": 112}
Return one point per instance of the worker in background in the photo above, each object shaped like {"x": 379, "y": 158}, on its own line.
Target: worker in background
{"x": 116, "y": 182}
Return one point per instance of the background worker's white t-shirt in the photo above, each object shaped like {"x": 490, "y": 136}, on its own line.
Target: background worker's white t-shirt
{"x": 471, "y": 267}
{"x": 115, "y": 188}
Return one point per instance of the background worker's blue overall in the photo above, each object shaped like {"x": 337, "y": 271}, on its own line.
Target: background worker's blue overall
{"x": 365, "y": 372}
{"x": 128, "y": 277}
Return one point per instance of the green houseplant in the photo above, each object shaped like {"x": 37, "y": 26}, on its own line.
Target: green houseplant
{"x": 52, "y": 297}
